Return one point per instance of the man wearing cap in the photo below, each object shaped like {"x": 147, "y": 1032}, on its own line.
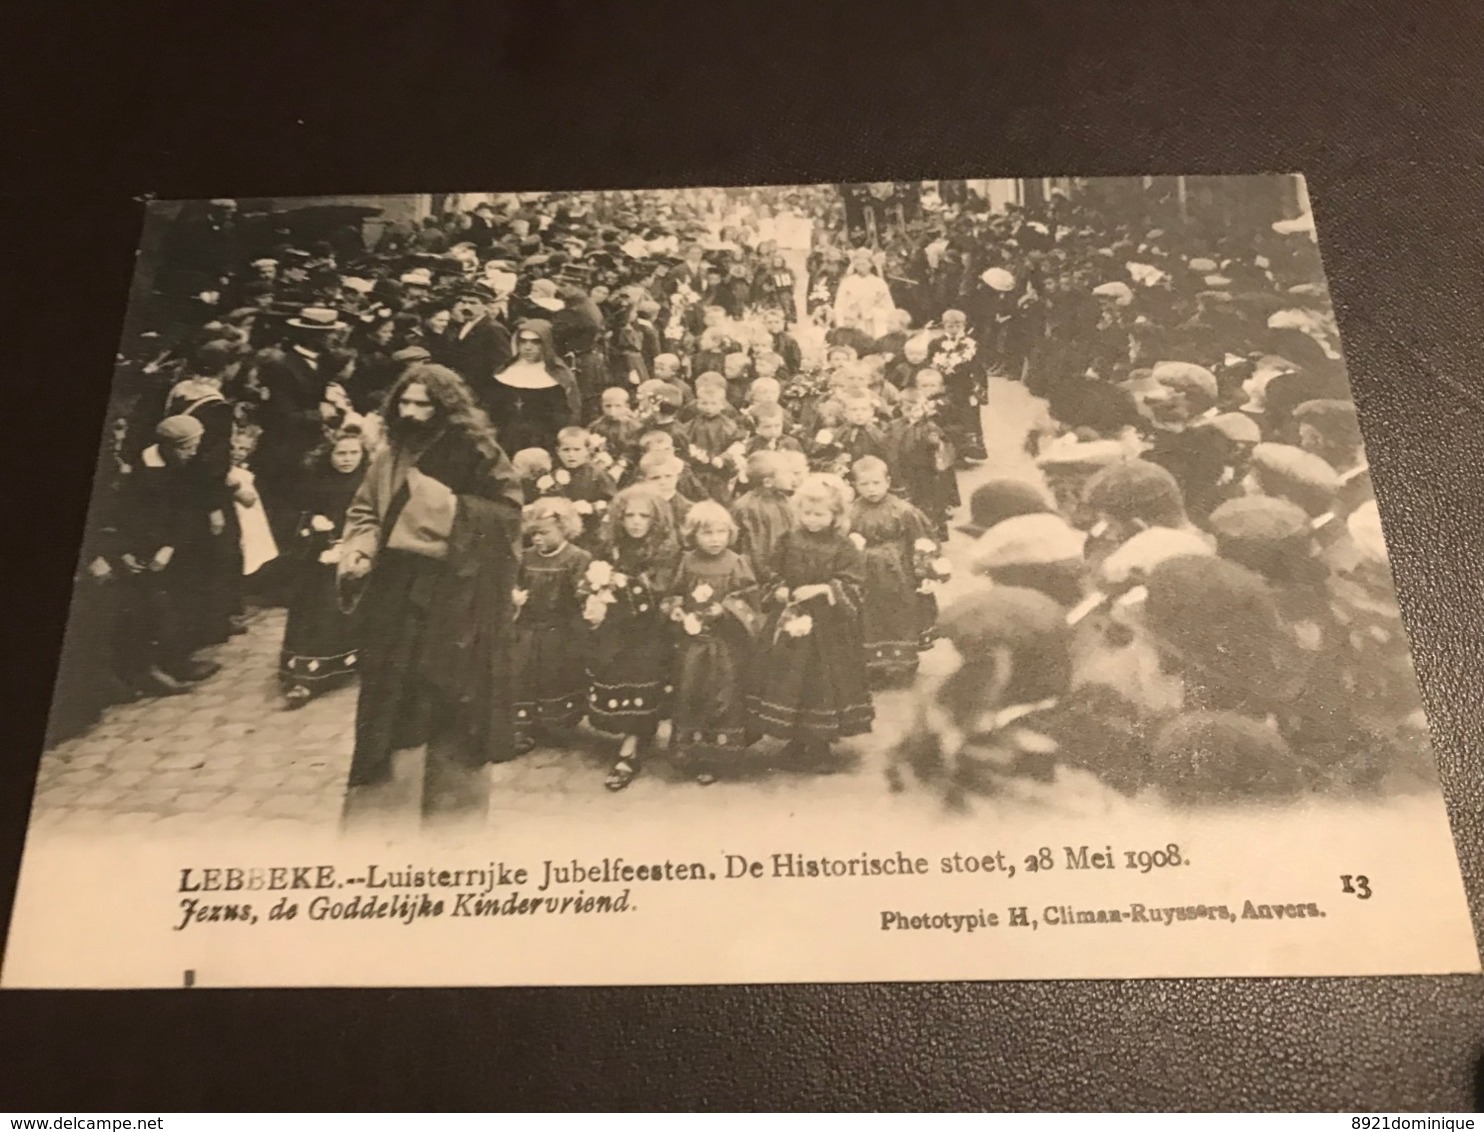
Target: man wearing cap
{"x": 475, "y": 346}
{"x": 417, "y": 284}
{"x": 1130, "y": 497}
{"x": 167, "y": 542}
{"x": 1039, "y": 551}
{"x": 1287, "y": 472}
{"x": 1176, "y": 398}
{"x": 996, "y": 500}
{"x": 1007, "y": 714}
{"x": 1330, "y": 430}
{"x": 1068, "y": 463}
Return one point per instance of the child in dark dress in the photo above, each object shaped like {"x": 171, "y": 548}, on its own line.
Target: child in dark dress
{"x": 578, "y": 479}
{"x": 859, "y": 435}
{"x": 887, "y": 531}
{"x": 630, "y": 656}
{"x": 714, "y": 611}
{"x": 769, "y": 424}
{"x": 662, "y": 471}
{"x": 764, "y": 512}
{"x": 319, "y": 639}
{"x": 922, "y": 460}
{"x": 549, "y": 655}
{"x": 616, "y": 435}
{"x": 809, "y": 680}
{"x": 716, "y": 439}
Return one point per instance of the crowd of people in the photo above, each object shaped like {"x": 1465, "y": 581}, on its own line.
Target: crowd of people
{"x": 694, "y": 456}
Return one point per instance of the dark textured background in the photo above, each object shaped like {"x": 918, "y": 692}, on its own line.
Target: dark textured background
{"x": 1379, "y": 103}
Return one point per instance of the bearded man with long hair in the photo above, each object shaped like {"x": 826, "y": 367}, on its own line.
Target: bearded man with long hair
{"x": 429, "y": 551}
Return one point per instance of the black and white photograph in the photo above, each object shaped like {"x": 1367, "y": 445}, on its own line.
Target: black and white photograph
{"x": 873, "y": 577}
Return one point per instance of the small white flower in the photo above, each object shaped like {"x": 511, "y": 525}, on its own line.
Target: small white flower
{"x": 702, "y": 593}
{"x": 924, "y": 546}
{"x": 545, "y": 483}
{"x": 824, "y": 436}
{"x": 321, "y": 523}
{"x": 691, "y": 624}
{"x": 594, "y": 610}
{"x": 519, "y": 596}
{"x": 800, "y": 626}
{"x": 858, "y": 540}
{"x": 677, "y": 614}
{"x": 618, "y": 580}
{"x": 607, "y": 597}
{"x": 563, "y": 476}
{"x": 942, "y": 567}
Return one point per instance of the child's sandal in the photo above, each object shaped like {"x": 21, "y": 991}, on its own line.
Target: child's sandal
{"x": 621, "y": 775}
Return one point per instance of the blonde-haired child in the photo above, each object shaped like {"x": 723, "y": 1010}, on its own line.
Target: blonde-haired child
{"x": 533, "y": 466}
{"x": 549, "y": 658}
{"x": 894, "y": 536}
{"x": 809, "y": 679}
{"x": 713, "y": 606}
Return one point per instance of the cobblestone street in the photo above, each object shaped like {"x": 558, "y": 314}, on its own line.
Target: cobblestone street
{"x": 229, "y": 752}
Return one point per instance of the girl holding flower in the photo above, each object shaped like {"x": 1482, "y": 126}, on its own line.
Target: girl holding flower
{"x": 630, "y": 654}
{"x": 887, "y": 530}
{"x": 577, "y": 478}
{"x": 809, "y": 679}
{"x": 320, "y": 638}
{"x": 712, "y": 605}
{"x": 550, "y": 656}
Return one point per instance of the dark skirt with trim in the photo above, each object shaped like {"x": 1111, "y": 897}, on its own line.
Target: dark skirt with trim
{"x": 890, "y": 621}
{"x": 320, "y": 643}
{"x": 927, "y": 621}
{"x": 710, "y": 705}
{"x": 550, "y": 674}
{"x": 812, "y": 687}
{"x": 629, "y": 675}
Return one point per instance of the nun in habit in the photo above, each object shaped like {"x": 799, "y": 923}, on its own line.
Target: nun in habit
{"x": 534, "y": 396}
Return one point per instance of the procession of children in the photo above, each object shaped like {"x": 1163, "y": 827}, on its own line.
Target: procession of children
{"x": 690, "y": 560}
{"x": 740, "y": 452}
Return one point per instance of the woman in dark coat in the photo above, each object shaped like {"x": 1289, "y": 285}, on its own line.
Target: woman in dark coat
{"x": 580, "y": 336}
{"x": 319, "y": 639}
{"x": 535, "y": 396}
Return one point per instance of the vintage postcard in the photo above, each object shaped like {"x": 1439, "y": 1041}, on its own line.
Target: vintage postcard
{"x": 894, "y": 581}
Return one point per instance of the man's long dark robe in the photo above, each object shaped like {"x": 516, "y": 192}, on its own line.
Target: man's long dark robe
{"x": 436, "y": 633}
